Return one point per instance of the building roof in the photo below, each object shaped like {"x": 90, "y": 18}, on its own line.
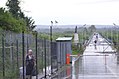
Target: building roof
{"x": 64, "y": 39}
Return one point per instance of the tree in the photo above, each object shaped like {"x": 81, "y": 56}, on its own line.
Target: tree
{"x": 92, "y": 28}
{"x": 30, "y": 23}
{"x": 13, "y": 7}
{"x": 8, "y": 22}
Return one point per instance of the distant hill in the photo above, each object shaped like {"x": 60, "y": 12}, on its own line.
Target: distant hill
{"x": 71, "y": 26}
{"x": 104, "y": 26}
{"x": 62, "y": 28}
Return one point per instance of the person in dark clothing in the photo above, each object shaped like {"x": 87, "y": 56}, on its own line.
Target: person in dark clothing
{"x": 96, "y": 36}
{"x": 95, "y": 41}
{"x": 95, "y": 44}
{"x": 30, "y": 62}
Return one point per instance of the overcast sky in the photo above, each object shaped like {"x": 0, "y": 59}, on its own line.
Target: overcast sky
{"x": 71, "y": 11}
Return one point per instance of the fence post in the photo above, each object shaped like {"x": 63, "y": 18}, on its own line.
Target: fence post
{"x": 23, "y": 53}
{"x": 17, "y": 54}
{"x": 3, "y": 51}
{"x": 42, "y": 54}
{"x": 12, "y": 53}
{"x": 42, "y": 61}
{"x": 51, "y": 47}
{"x": 60, "y": 53}
{"x": 27, "y": 43}
{"x": 36, "y": 55}
{"x": 45, "y": 57}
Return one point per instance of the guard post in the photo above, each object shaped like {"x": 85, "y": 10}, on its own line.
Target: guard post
{"x": 64, "y": 50}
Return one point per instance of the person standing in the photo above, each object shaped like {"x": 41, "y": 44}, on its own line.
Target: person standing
{"x": 95, "y": 42}
{"x": 30, "y": 63}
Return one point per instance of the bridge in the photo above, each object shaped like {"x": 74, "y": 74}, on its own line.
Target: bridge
{"x": 100, "y": 62}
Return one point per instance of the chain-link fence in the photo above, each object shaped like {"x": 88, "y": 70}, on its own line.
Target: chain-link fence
{"x": 13, "y": 50}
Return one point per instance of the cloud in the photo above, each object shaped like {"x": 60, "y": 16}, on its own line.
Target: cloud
{"x": 95, "y": 1}
{"x": 71, "y": 11}
{"x": 3, "y": 3}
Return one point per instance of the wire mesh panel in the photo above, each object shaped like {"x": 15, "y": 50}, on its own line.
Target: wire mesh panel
{"x": 48, "y": 57}
{"x": 1, "y": 55}
{"x": 13, "y": 50}
{"x": 10, "y": 54}
{"x": 54, "y": 57}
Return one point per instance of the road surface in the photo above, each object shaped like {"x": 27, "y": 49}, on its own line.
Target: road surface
{"x": 100, "y": 62}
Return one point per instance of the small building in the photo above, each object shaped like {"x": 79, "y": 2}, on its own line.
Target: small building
{"x": 64, "y": 47}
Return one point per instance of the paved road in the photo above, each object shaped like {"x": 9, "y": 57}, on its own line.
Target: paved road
{"x": 98, "y": 62}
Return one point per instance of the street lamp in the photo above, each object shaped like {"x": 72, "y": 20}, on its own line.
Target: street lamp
{"x": 85, "y": 29}
{"x": 83, "y": 33}
{"x": 116, "y": 31}
{"x": 117, "y": 44}
{"x": 107, "y": 33}
{"x": 111, "y": 34}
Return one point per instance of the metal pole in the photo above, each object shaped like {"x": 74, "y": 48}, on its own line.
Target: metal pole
{"x": 82, "y": 36}
{"x": 116, "y": 31}
{"x": 3, "y": 51}
{"x": 48, "y": 55}
{"x": 51, "y": 47}
{"x": 117, "y": 45}
{"x": 23, "y": 53}
{"x": 36, "y": 54}
{"x": 42, "y": 55}
{"x": 107, "y": 33}
{"x": 117, "y": 34}
{"x": 42, "y": 62}
{"x": 45, "y": 58}
{"x": 85, "y": 34}
{"x": 17, "y": 54}
{"x": 60, "y": 54}
{"x": 27, "y": 44}
{"x": 12, "y": 57}
{"x": 118, "y": 37}
{"x": 111, "y": 35}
